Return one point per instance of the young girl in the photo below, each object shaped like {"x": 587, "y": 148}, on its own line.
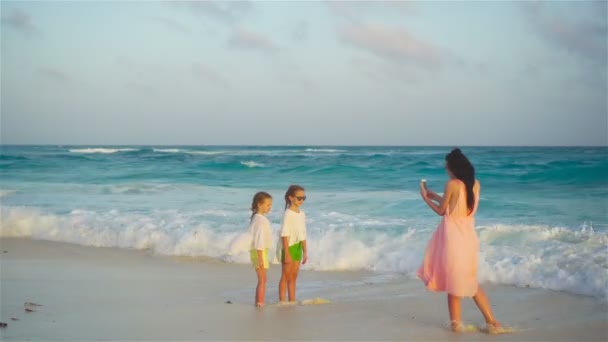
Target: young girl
{"x": 292, "y": 241}
{"x": 261, "y": 235}
{"x": 450, "y": 260}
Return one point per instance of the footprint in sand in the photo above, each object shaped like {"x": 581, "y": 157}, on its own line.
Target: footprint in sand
{"x": 314, "y": 301}
{"x": 29, "y": 306}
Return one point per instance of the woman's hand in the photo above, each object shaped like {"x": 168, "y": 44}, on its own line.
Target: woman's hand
{"x": 305, "y": 259}
{"x": 433, "y": 196}
{"x": 423, "y": 191}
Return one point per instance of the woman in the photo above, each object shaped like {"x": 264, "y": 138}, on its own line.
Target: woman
{"x": 450, "y": 260}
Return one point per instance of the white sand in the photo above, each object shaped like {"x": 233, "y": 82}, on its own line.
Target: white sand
{"x": 111, "y": 294}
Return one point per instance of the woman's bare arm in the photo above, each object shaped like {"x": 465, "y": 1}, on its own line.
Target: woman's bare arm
{"x": 434, "y": 196}
{"x": 440, "y": 208}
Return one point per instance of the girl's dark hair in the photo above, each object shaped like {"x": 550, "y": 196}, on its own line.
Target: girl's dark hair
{"x": 462, "y": 169}
{"x": 257, "y": 199}
{"x": 290, "y": 192}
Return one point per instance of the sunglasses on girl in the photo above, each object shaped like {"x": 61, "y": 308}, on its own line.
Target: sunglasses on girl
{"x": 301, "y": 198}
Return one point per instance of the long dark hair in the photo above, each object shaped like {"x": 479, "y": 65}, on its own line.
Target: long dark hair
{"x": 461, "y": 168}
{"x": 258, "y": 198}
{"x": 290, "y": 192}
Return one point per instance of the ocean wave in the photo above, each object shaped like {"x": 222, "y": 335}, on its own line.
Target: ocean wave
{"x": 246, "y": 152}
{"x": 528, "y": 256}
{"x": 140, "y": 188}
{"x": 426, "y": 153}
{"x": 185, "y": 151}
{"x": 8, "y": 157}
{"x": 280, "y": 152}
{"x": 553, "y": 258}
{"x": 6, "y": 192}
{"x": 252, "y": 164}
{"x": 102, "y": 150}
{"x": 207, "y": 153}
{"x": 324, "y": 150}
{"x": 166, "y": 150}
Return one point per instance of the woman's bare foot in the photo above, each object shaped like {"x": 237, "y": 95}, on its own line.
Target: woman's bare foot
{"x": 457, "y": 326}
{"x": 495, "y": 328}
{"x": 461, "y": 327}
{"x": 259, "y": 305}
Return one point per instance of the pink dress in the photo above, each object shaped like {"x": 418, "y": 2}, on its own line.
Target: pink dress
{"x": 450, "y": 260}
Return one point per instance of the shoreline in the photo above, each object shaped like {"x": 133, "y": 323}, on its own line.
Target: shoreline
{"x": 91, "y": 293}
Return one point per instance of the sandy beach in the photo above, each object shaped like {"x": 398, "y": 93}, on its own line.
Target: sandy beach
{"x": 89, "y": 293}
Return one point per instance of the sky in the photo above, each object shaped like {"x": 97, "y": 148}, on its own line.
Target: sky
{"x": 304, "y": 73}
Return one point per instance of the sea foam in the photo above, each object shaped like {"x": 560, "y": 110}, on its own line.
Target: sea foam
{"x": 102, "y": 150}
{"x": 528, "y": 256}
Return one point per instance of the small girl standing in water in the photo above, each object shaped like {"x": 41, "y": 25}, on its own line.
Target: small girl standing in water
{"x": 292, "y": 241}
{"x": 259, "y": 227}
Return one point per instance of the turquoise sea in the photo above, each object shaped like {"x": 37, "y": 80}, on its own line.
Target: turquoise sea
{"x": 542, "y": 218}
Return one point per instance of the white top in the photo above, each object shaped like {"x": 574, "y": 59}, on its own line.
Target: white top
{"x": 293, "y": 226}
{"x": 261, "y": 236}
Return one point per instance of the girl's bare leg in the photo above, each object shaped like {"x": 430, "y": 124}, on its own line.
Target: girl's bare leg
{"x": 260, "y": 290}
{"x": 283, "y": 282}
{"x": 293, "y": 276}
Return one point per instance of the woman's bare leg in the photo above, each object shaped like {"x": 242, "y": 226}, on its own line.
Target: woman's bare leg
{"x": 483, "y": 303}
{"x": 455, "y": 312}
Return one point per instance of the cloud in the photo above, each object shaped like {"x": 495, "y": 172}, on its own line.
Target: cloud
{"x": 125, "y": 62}
{"x": 289, "y": 72}
{"x": 469, "y": 66}
{"x": 342, "y": 9}
{"x": 401, "y": 6}
{"x": 297, "y": 81}
{"x": 149, "y": 78}
{"x": 53, "y": 75}
{"x": 209, "y": 75}
{"x": 393, "y": 44}
{"x": 354, "y": 10}
{"x": 145, "y": 77}
{"x": 20, "y": 21}
{"x": 227, "y": 11}
{"x": 585, "y": 38}
{"x": 300, "y": 31}
{"x": 173, "y": 25}
{"x": 130, "y": 67}
{"x": 383, "y": 72}
{"x": 245, "y": 39}
{"x": 142, "y": 88}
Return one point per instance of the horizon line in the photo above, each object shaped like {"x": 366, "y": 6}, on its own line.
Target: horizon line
{"x": 297, "y": 145}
